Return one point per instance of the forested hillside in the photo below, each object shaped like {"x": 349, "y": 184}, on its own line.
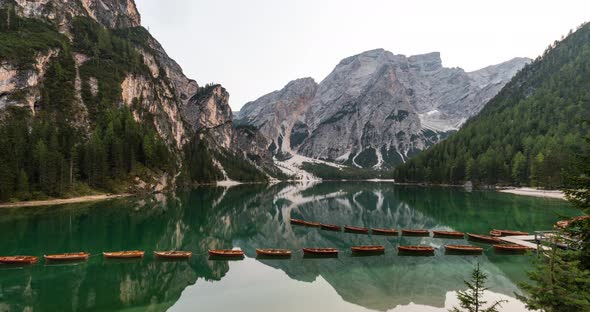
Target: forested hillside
{"x": 527, "y": 134}
{"x": 65, "y": 149}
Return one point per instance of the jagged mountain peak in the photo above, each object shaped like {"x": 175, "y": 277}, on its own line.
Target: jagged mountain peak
{"x": 382, "y": 107}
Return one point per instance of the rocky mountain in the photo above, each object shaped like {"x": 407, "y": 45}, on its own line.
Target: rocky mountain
{"x": 375, "y": 109}
{"x": 85, "y": 66}
{"x": 527, "y": 134}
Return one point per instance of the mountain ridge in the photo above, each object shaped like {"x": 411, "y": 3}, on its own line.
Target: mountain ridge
{"x": 384, "y": 107}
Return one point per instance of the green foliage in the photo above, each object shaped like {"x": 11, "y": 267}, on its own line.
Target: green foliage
{"x": 562, "y": 277}
{"x": 238, "y": 169}
{"x": 327, "y": 172}
{"x": 471, "y": 300}
{"x": 579, "y": 195}
{"x": 22, "y": 39}
{"x": 560, "y": 283}
{"x": 538, "y": 114}
{"x": 199, "y": 161}
{"x": 113, "y": 57}
{"x": 44, "y": 158}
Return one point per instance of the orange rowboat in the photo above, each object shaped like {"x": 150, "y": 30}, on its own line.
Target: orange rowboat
{"x": 484, "y": 238}
{"x": 273, "y": 252}
{"x": 320, "y": 251}
{"x": 511, "y": 248}
{"x": 422, "y": 250}
{"x": 305, "y": 223}
{"x": 448, "y": 234}
{"x": 134, "y": 254}
{"x": 173, "y": 255}
{"x": 495, "y": 233}
{"x": 226, "y": 253}
{"x": 467, "y": 249}
{"x": 507, "y": 233}
{"x": 356, "y": 229}
{"x": 367, "y": 249}
{"x": 79, "y": 256}
{"x": 19, "y": 260}
{"x": 330, "y": 227}
{"x": 377, "y": 231}
{"x": 415, "y": 232}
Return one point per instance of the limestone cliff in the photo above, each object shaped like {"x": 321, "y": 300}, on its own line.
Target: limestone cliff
{"x": 375, "y": 109}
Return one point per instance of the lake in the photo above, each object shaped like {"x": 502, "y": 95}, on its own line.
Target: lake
{"x": 257, "y": 216}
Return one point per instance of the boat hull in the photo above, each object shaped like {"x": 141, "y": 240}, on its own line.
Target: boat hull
{"x": 354, "y": 229}
{"x": 124, "y": 254}
{"x": 367, "y": 249}
{"x": 484, "y": 238}
{"x": 511, "y": 248}
{"x": 220, "y": 253}
{"x": 19, "y": 260}
{"x": 67, "y": 257}
{"x": 320, "y": 252}
{"x": 463, "y": 249}
{"x": 415, "y": 250}
{"x": 447, "y": 234}
{"x": 330, "y": 227}
{"x": 273, "y": 253}
{"x": 507, "y": 233}
{"x": 173, "y": 255}
{"x": 415, "y": 233}
{"x": 388, "y": 232}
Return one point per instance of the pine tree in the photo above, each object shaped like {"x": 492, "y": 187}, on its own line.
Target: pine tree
{"x": 562, "y": 277}
{"x": 579, "y": 195}
{"x": 471, "y": 300}
{"x": 560, "y": 284}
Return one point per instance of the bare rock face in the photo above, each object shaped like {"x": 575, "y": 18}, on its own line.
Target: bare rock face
{"x": 279, "y": 113}
{"x": 375, "y": 109}
{"x": 110, "y": 13}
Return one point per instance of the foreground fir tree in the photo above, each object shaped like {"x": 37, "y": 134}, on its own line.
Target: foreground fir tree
{"x": 559, "y": 283}
{"x": 471, "y": 300}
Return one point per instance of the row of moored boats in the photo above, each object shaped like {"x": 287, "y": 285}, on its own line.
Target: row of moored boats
{"x": 493, "y": 238}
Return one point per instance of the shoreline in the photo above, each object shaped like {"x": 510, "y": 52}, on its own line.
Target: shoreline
{"x": 62, "y": 201}
{"x": 527, "y": 191}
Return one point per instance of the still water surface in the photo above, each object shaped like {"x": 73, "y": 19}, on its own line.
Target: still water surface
{"x": 256, "y": 216}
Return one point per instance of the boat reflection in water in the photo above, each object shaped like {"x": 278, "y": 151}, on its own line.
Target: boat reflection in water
{"x": 251, "y": 217}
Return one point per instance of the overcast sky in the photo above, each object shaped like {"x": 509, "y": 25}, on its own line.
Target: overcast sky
{"x": 257, "y": 46}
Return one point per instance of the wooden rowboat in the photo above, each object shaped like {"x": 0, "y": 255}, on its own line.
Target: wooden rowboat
{"x": 79, "y": 256}
{"x": 273, "y": 252}
{"x": 424, "y": 250}
{"x": 356, "y": 229}
{"x": 330, "y": 227}
{"x": 124, "y": 254}
{"x": 464, "y": 249}
{"x": 174, "y": 255}
{"x": 305, "y": 223}
{"x": 565, "y": 223}
{"x": 415, "y": 232}
{"x": 511, "y": 248}
{"x": 298, "y": 222}
{"x": 448, "y": 234}
{"x": 320, "y": 251}
{"x": 495, "y": 233}
{"x": 507, "y": 233}
{"x": 226, "y": 253}
{"x": 367, "y": 249}
{"x": 484, "y": 238}
{"x": 378, "y": 231}
{"x": 22, "y": 260}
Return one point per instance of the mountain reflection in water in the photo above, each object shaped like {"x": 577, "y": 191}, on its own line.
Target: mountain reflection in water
{"x": 257, "y": 216}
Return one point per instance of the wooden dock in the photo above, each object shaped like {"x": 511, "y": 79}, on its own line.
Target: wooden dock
{"x": 524, "y": 240}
